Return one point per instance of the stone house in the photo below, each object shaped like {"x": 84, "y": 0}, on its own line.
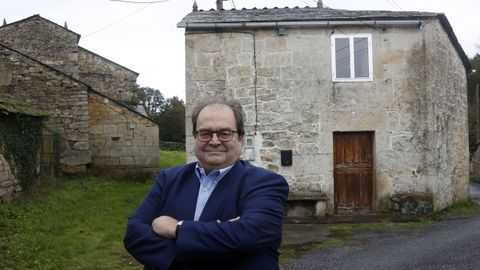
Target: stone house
{"x": 84, "y": 94}
{"x": 361, "y": 111}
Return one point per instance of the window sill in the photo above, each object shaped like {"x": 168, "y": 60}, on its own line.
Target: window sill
{"x": 354, "y": 80}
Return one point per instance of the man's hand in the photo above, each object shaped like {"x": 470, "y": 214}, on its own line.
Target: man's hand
{"x": 165, "y": 226}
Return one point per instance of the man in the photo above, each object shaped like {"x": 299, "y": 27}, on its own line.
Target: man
{"x": 217, "y": 213}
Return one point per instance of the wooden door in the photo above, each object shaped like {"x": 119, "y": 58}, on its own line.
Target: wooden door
{"x": 353, "y": 171}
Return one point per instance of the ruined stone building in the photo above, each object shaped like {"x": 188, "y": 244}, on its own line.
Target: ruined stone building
{"x": 41, "y": 64}
{"x": 20, "y": 139}
{"x": 357, "y": 109}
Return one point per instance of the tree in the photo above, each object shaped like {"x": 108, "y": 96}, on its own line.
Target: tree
{"x": 151, "y": 99}
{"x": 171, "y": 120}
{"x": 168, "y": 113}
{"x": 473, "y": 104}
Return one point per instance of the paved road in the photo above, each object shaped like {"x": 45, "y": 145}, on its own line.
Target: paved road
{"x": 452, "y": 244}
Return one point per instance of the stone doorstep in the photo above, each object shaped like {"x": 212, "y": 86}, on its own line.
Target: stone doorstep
{"x": 307, "y": 204}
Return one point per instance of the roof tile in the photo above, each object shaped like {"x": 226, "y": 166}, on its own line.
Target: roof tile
{"x": 295, "y": 14}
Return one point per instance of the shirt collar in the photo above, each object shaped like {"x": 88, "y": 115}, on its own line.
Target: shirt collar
{"x": 201, "y": 171}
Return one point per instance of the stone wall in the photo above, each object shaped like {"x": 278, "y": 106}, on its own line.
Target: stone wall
{"x": 58, "y": 47}
{"x": 9, "y": 186}
{"x": 107, "y": 77}
{"x": 65, "y": 100}
{"x": 121, "y": 139}
{"x": 448, "y": 122}
{"x": 291, "y": 103}
{"x": 45, "y": 41}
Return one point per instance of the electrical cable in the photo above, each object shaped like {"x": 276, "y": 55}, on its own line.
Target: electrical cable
{"x": 115, "y": 22}
{"x": 393, "y": 3}
{"x": 140, "y": 2}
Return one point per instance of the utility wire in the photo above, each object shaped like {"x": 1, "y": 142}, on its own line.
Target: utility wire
{"x": 116, "y": 21}
{"x": 233, "y": 4}
{"x": 306, "y": 2}
{"x": 393, "y": 3}
{"x": 126, "y": 16}
{"x": 140, "y": 2}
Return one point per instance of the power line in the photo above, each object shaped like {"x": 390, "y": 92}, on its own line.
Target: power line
{"x": 233, "y": 4}
{"x": 306, "y": 2}
{"x": 392, "y": 2}
{"x": 309, "y": 3}
{"x": 116, "y": 21}
{"x": 140, "y": 2}
{"x": 146, "y": 3}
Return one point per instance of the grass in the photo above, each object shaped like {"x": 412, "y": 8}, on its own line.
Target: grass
{"x": 462, "y": 209}
{"x": 73, "y": 223}
{"x": 70, "y": 224}
{"x": 171, "y": 158}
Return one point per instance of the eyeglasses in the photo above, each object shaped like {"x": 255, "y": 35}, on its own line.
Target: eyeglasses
{"x": 223, "y": 135}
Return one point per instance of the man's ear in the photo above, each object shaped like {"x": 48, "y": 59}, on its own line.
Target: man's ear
{"x": 242, "y": 139}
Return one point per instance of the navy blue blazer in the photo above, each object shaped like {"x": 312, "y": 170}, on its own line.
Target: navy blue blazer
{"x": 254, "y": 194}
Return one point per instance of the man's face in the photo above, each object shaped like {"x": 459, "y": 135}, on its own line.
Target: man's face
{"x": 215, "y": 153}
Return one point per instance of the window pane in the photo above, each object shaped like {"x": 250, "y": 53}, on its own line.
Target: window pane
{"x": 361, "y": 57}
{"x": 342, "y": 58}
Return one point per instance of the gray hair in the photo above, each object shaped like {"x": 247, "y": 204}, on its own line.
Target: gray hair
{"x": 234, "y": 105}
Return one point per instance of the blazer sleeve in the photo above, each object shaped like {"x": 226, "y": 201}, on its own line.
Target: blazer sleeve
{"x": 140, "y": 240}
{"x": 259, "y": 226}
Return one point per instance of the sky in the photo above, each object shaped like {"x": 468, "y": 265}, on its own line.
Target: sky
{"x": 145, "y": 38}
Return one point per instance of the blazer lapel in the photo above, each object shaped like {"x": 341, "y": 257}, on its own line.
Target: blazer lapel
{"x": 186, "y": 194}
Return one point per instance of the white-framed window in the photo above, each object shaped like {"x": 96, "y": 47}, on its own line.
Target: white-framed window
{"x": 352, "y": 58}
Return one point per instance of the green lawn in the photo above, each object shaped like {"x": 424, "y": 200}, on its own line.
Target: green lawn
{"x": 171, "y": 158}
{"x": 70, "y": 224}
{"x": 75, "y": 223}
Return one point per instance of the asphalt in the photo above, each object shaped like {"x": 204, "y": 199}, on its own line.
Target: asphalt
{"x": 304, "y": 232}
{"x": 450, "y": 244}
{"x": 446, "y": 245}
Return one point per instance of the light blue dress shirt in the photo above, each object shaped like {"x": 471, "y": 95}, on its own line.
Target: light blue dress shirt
{"x": 207, "y": 185}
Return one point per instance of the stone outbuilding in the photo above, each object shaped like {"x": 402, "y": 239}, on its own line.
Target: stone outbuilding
{"x": 361, "y": 111}
{"x": 20, "y": 144}
{"x": 84, "y": 94}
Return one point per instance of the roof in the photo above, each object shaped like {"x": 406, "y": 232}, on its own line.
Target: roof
{"x": 108, "y": 60}
{"x": 210, "y": 19}
{"x": 37, "y": 16}
{"x": 89, "y": 88}
{"x": 295, "y": 14}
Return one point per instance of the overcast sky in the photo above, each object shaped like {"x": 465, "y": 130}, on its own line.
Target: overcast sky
{"x": 144, "y": 37}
